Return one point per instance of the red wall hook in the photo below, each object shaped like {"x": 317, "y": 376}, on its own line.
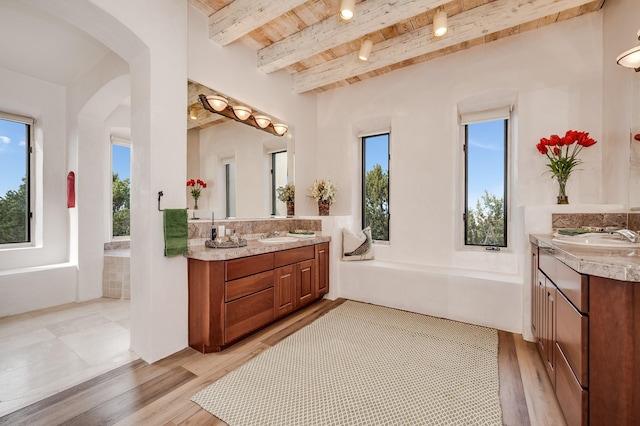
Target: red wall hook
{"x": 71, "y": 190}
{"x": 637, "y": 137}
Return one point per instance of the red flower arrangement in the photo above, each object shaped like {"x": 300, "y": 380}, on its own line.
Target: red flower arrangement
{"x": 562, "y": 153}
{"x": 196, "y": 186}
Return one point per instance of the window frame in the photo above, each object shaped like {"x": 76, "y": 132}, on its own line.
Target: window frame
{"x": 363, "y": 150}
{"x": 476, "y": 118}
{"x": 31, "y": 179}
{"x": 274, "y": 193}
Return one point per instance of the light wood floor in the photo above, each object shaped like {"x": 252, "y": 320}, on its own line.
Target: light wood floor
{"x": 158, "y": 394}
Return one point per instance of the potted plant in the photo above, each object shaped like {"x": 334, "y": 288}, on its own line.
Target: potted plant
{"x": 287, "y": 194}
{"x": 324, "y": 192}
{"x": 562, "y": 153}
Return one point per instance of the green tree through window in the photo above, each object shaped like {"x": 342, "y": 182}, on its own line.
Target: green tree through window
{"x": 121, "y": 206}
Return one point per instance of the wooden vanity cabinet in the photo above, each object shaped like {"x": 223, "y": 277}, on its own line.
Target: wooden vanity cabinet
{"x": 588, "y": 336}
{"x": 230, "y": 299}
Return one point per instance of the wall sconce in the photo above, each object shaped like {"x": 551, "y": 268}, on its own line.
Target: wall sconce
{"x": 218, "y": 103}
{"x": 193, "y": 113}
{"x": 280, "y": 128}
{"x": 346, "y": 9}
{"x": 365, "y": 49}
{"x": 242, "y": 112}
{"x": 262, "y": 120}
{"x": 440, "y": 23}
{"x": 631, "y": 58}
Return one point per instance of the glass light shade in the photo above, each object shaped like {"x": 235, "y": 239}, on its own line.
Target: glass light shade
{"x": 440, "y": 23}
{"x": 262, "y": 120}
{"x": 193, "y": 113}
{"x": 280, "y": 128}
{"x": 346, "y": 9}
{"x": 218, "y": 103}
{"x": 631, "y": 58}
{"x": 242, "y": 112}
{"x": 365, "y": 49}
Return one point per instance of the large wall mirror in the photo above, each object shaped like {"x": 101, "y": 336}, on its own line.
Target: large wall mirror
{"x": 241, "y": 164}
{"x": 634, "y": 153}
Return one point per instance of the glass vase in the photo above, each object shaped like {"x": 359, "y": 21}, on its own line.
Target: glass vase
{"x": 195, "y": 205}
{"x": 291, "y": 208}
{"x": 562, "y": 194}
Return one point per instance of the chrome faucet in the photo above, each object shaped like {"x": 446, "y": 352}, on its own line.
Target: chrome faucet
{"x": 271, "y": 234}
{"x": 627, "y": 234}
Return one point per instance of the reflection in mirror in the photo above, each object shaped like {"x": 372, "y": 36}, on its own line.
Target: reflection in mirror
{"x": 634, "y": 151}
{"x": 242, "y": 165}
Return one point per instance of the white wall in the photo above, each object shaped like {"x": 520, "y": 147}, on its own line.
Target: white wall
{"x": 45, "y": 102}
{"x": 556, "y": 74}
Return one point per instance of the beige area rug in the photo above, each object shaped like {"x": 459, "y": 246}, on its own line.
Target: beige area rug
{"x": 363, "y": 364}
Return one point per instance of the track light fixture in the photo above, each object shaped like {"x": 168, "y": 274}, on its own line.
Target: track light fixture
{"x": 347, "y": 8}
{"x": 365, "y": 49}
{"x": 440, "y": 23}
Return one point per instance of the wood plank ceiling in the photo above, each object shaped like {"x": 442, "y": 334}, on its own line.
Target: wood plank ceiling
{"x": 319, "y": 50}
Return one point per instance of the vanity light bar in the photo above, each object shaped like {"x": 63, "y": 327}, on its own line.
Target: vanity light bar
{"x": 261, "y": 122}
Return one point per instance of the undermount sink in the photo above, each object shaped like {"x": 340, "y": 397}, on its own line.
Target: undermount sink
{"x": 277, "y": 240}
{"x": 595, "y": 239}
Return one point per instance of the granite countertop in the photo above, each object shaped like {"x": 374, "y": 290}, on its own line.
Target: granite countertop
{"x": 617, "y": 263}
{"x": 253, "y": 247}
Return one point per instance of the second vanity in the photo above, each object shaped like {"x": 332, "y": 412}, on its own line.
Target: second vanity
{"x": 586, "y": 323}
{"x": 234, "y": 292}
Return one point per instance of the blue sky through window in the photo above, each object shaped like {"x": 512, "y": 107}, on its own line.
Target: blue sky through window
{"x": 485, "y": 152}
{"x": 13, "y": 155}
{"x": 121, "y": 160}
{"x": 377, "y": 152}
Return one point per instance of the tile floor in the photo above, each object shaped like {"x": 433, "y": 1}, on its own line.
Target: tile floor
{"x": 44, "y": 352}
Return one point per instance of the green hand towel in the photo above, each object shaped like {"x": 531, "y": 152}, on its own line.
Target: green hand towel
{"x": 176, "y": 231}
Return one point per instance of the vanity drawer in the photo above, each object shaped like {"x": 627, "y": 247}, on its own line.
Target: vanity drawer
{"x": 572, "y": 336}
{"x": 248, "y": 285}
{"x": 249, "y": 313}
{"x": 572, "y": 284}
{"x": 287, "y": 257}
{"x": 246, "y": 266}
{"x": 573, "y": 399}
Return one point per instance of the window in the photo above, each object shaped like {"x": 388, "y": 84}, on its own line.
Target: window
{"x": 230, "y": 187}
{"x": 485, "y": 209}
{"x": 278, "y": 179}
{"x": 375, "y": 185}
{"x": 120, "y": 187}
{"x": 15, "y": 179}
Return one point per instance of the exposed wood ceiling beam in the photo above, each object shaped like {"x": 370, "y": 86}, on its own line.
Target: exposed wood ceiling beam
{"x": 243, "y": 16}
{"x": 477, "y": 22}
{"x": 369, "y": 16}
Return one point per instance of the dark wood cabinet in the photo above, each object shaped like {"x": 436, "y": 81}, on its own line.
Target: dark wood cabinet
{"x": 587, "y": 330}
{"x": 231, "y": 299}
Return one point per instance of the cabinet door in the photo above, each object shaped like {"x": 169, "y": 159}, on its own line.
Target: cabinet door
{"x": 541, "y": 297}
{"x": 322, "y": 270}
{"x": 535, "y": 315}
{"x": 550, "y": 330}
{"x": 305, "y": 282}
{"x": 285, "y": 287}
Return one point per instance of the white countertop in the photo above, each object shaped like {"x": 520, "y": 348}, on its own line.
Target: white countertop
{"x": 252, "y": 248}
{"x": 621, "y": 264}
